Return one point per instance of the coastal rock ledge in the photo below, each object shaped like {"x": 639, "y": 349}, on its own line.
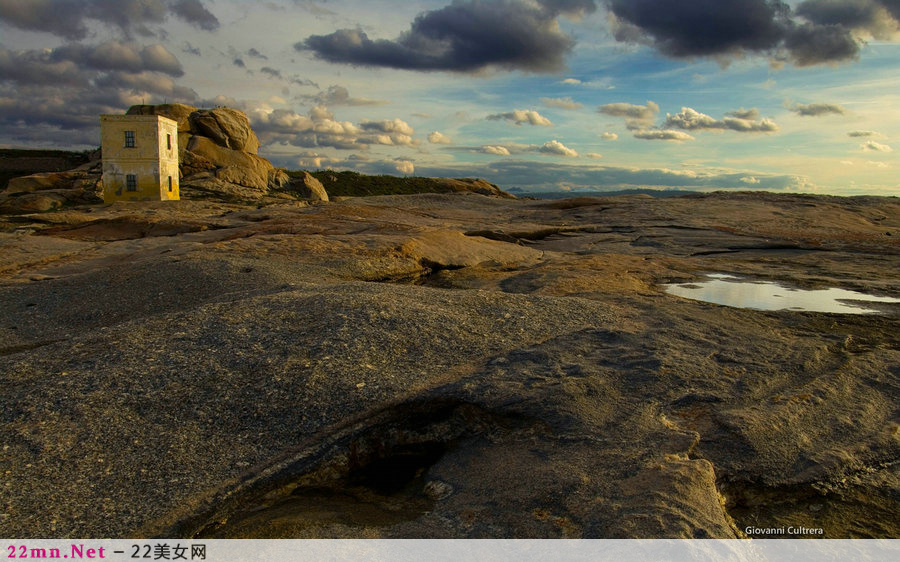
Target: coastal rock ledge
{"x": 446, "y": 365}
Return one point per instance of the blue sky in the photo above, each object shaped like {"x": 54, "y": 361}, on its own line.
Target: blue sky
{"x": 530, "y": 94}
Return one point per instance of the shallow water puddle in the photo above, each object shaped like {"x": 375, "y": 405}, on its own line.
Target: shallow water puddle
{"x": 730, "y": 290}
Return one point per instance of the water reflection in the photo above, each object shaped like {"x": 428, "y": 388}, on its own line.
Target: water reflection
{"x": 729, "y": 290}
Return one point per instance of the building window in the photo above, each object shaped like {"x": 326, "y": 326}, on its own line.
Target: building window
{"x": 168, "y": 142}
{"x": 170, "y": 184}
{"x": 131, "y": 182}
{"x": 129, "y": 139}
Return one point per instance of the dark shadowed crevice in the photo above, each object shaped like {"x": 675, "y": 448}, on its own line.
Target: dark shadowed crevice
{"x": 372, "y": 476}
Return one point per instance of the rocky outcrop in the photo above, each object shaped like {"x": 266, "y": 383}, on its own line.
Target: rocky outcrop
{"x": 308, "y": 187}
{"x": 478, "y": 186}
{"x": 52, "y": 190}
{"x": 532, "y": 381}
{"x": 216, "y": 143}
{"x": 227, "y": 127}
{"x": 178, "y": 112}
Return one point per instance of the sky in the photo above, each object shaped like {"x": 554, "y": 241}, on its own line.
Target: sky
{"x": 533, "y": 95}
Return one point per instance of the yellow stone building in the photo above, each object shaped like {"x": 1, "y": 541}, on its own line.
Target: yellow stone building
{"x": 140, "y": 158}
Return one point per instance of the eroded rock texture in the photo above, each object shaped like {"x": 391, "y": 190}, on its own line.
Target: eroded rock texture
{"x": 446, "y": 366}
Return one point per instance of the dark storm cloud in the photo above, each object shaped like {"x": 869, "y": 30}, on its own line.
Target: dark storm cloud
{"x": 190, "y": 49}
{"x": 68, "y": 18}
{"x": 62, "y": 91}
{"x": 195, "y": 13}
{"x": 466, "y": 36}
{"x": 256, "y": 54}
{"x": 38, "y": 67}
{"x": 62, "y": 18}
{"x": 820, "y": 31}
{"x": 56, "y": 115}
{"x": 574, "y": 8}
{"x": 271, "y": 72}
{"x": 79, "y": 64}
{"x": 114, "y": 55}
{"x": 877, "y": 17}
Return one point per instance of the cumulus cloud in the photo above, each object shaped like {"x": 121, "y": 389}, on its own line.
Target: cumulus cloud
{"x": 522, "y": 116}
{"x": 309, "y": 159}
{"x": 495, "y": 150}
{"x": 636, "y": 116}
{"x": 872, "y": 146}
{"x": 69, "y": 18}
{"x": 339, "y": 95}
{"x": 319, "y": 128}
{"x": 662, "y": 134}
{"x": 436, "y": 137}
{"x": 562, "y": 103}
{"x": 388, "y": 126}
{"x": 609, "y": 136}
{"x": 817, "y": 109}
{"x": 557, "y": 148}
{"x": 466, "y": 36}
{"x": 752, "y": 114}
{"x": 819, "y": 31}
{"x": 692, "y": 120}
{"x": 405, "y": 167}
{"x": 594, "y": 155}
{"x": 314, "y": 160}
{"x": 863, "y": 134}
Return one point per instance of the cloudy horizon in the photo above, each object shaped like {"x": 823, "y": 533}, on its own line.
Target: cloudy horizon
{"x": 797, "y": 96}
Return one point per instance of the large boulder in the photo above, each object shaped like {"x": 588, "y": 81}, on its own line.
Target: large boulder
{"x": 206, "y": 185}
{"x": 233, "y": 166}
{"x": 32, "y": 203}
{"x": 178, "y": 112}
{"x": 51, "y": 190}
{"x": 308, "y": 187}
{"x": 227, "y": 127}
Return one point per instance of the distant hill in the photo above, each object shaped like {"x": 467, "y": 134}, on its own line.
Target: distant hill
{"x": 354, "y": 184}
{"x": 580, "y": 193}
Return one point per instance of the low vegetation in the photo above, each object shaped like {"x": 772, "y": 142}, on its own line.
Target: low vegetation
{"x": 354, "y": 184}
